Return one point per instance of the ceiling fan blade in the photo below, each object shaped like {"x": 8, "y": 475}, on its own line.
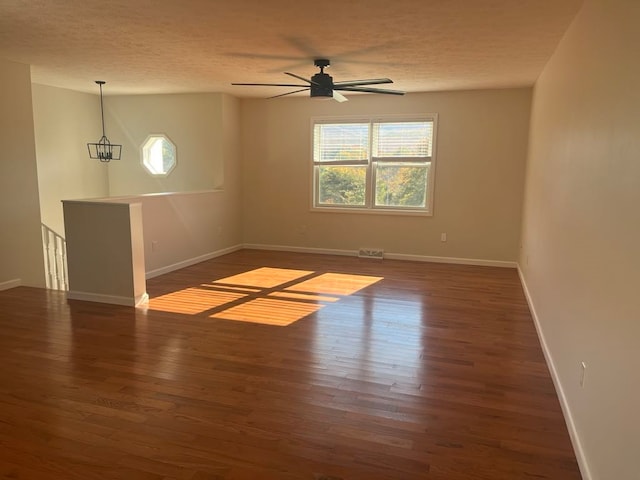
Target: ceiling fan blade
{"x": 269, "y": 84}
{"x": 321, "y": 85}
{"x": 369, "y": 90}
{"x": 339, "y": 97}
{"x": 355, "y": 83}
{"x": 301, "y": 78}
{"x": 289, "y": 93}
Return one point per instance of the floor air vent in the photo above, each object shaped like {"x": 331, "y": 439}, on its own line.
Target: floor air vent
{"x": 371, "y": 253}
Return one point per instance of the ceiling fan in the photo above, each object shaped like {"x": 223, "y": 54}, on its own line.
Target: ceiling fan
{"x": 321, "y": 85}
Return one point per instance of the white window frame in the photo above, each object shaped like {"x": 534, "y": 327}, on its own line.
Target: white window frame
{"x": 142, "y": 155}
{"x": 371, "y": 163}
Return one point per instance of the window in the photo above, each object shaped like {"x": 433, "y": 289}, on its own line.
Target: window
{"x": 158, "y": 155}
{"x": 382, "y": 165}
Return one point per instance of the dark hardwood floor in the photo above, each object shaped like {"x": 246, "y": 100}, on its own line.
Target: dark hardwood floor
{"x": 271, "y": 365}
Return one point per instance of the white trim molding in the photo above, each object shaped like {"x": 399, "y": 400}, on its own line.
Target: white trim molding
{"x": 287, "y": 248}
{"x": 564, "y": 404}
{"x": 372, "y": 163}
{"x": 390, "y": 256}
{"x": 10, "y": 284}
{"x": 137, "y": 301}
{"x": 191, "y": 261}
{"x": 461, "y": 261}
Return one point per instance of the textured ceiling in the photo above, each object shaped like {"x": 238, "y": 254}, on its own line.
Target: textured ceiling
{"x": 170, "y": 46}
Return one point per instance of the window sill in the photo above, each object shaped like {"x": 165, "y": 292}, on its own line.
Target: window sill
{"x": 371, "y": 211}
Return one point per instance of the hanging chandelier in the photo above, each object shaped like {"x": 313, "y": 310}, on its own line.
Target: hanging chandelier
{"x": 104, "y": 150}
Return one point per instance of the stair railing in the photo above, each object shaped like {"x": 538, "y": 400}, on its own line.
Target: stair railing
{"x": 55, "y": 259}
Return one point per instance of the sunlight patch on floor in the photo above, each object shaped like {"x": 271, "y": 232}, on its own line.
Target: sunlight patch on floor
{"x": 192, "y": 300}
{"x": 335, "y": 284}
{"x": 305, "y": 296}
{"x": 265, "y": 277}
{"x": 264, "y": 295}
{"x": 269, "y": 311}
{"x": 225, "y": 286}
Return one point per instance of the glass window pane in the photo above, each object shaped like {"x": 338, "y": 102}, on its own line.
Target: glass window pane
{"x": 158, "y": 155}
{"x": 401, "y": 185}
{"x": 338, "y": 142}
{"x": 402, "y": 139}
{"x": 168, "y": 155}
{"x": 341, "y": 185}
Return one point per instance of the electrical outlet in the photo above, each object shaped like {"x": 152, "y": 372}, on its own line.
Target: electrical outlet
{"x": 154, "y": 245}
{"x": 583, "y": 373}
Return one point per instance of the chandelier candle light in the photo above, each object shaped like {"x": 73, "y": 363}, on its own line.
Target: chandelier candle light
{"x": 104, "y": 150}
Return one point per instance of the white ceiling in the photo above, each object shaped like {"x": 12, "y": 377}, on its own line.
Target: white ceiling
{"x": 171, "y": 46}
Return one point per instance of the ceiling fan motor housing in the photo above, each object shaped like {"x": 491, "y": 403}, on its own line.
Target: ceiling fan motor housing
{"x": 322, "y": 86}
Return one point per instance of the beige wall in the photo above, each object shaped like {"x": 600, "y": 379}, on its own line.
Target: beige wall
{"x": 64, "y": 122}
{"x": 21, "y": 256}
{"x": 105, "y": 252}
{"x": 232, "y": 168}
{"x": 481, "y": 151}
{"x": 193, "y": 122}
{"x": 183, "y": 226}
{"x": 581, "y": 230}
{"x": 186, "y": 226}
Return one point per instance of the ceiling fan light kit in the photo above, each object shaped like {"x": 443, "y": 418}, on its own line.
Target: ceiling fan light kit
{"x": 322, "y": 86}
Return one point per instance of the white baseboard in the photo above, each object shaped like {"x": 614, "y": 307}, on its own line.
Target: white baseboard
{"x": 191, "y": 261}
{"x": 564, "y": 404}
{"x": 142, "y": 300}
{"x": 10, "y": 284}
{"x": 455, "y": 260}
{"x": 137, "y": 301}
{"x": 286, "y": 248}
{"x": 390, "y": 256}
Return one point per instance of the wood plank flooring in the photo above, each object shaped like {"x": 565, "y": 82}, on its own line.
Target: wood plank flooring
{"x": 272, "y": 365}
